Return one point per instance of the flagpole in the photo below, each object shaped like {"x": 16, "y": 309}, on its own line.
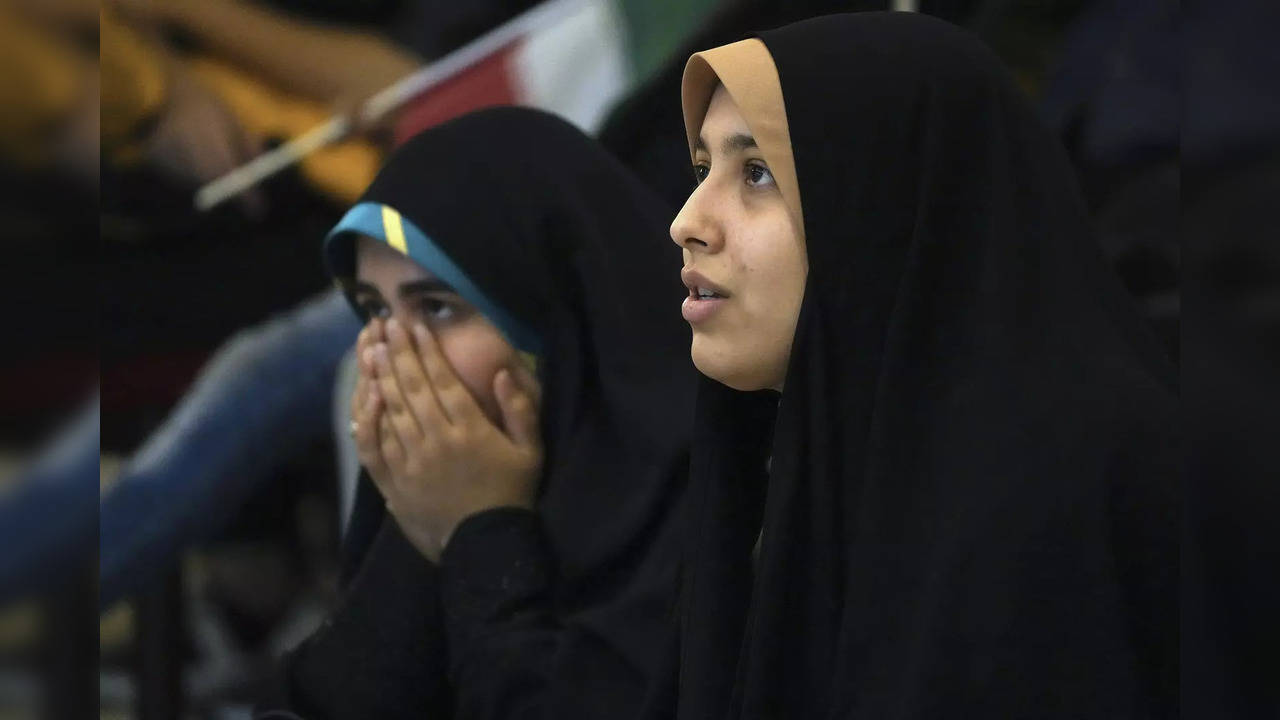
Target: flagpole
{"x": 383, "y": 103}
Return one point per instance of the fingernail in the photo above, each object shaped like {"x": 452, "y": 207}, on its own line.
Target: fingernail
{"x": 393, "y": 325}
{"x": 421, "y": 331}
{"x": 380, "y": 352}
{"x": 368, "y": 356}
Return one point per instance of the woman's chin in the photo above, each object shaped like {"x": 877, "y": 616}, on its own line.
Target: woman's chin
{"x": 741, "y": 371}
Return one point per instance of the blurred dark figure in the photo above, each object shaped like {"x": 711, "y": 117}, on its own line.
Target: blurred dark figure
{"x": 1114, "y": 97}
{"x": 49, "y": 135}
{"x": 49, "y": 139}
{"x": 1231, "y": 352}
{"x": 1231, "y": 111}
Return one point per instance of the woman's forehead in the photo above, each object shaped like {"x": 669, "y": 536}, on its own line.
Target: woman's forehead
{"x": 723, "y": 120}
{"x": 376, "y": 260}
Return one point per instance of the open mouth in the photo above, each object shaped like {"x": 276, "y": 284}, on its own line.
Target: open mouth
{"x": 702, "y": 293}
{"x": 702, "y": 304}
{"x": 704, "y": 298}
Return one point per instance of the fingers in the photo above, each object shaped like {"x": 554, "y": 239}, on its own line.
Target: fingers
{"x": 369, "y": 336}
{"x": 528, "y": 382}
{"x": 359, "y": 394}
{"x": 393, "y": 452}
{"x": 368, "y": 445}
{"x": 454, "y": 397}
{"x": 519, "y": 415}
{"x": 411, "y": 378}
{"x": 400, "y": 416}
{"x": 364, "y": 370}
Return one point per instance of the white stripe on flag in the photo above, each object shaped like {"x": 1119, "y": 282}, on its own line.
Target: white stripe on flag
{"x": 576, "y": 68}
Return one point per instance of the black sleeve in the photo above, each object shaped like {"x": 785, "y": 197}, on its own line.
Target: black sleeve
{"x": 512, "y": 655}
{"x": 381, "y": 654}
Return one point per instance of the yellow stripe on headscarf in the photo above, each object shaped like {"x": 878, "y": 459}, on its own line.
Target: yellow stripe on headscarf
{"x": 393, "y": 229}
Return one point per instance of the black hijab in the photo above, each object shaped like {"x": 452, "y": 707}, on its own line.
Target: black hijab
{"x": 972, "y": 503}
{"x": 567, "y": 253}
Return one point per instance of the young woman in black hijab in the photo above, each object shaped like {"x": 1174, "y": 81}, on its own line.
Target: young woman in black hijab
{"x": 499, "y": 243}
{"x": 964, "y": 503}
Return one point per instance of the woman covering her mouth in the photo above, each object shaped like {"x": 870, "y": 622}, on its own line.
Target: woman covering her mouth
{"x": 523, "y": 415}
{"x": 964, "y": 502}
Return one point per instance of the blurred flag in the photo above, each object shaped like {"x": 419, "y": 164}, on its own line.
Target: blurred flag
{"x": 577, "y": 66}
{"x": 574, "y": 58}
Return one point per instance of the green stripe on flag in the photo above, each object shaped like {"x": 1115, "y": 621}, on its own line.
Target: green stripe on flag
{"x": 657, "y": 28}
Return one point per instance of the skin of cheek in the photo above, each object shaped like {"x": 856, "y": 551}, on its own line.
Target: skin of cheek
{"x": 782, "y": 270}
{"x": 477, "y": 351}
{"x": 750, "y": 347}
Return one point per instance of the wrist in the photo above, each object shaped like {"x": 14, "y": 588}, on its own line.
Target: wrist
{"x": 477, "y": 524}
{"x": 426, "y": 543}
{"x": 499, "y": 508}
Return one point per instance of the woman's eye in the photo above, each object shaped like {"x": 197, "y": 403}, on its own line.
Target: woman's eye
{"x": 757, "y": 174}
{"x": 374, "y": 309}
{"x": 436, "y": 309}
{"x": 700, "y": 172}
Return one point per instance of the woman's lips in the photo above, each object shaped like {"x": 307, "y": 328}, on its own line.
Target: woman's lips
{"x": 696, "y": 310}
{"x": 705, "y": 297}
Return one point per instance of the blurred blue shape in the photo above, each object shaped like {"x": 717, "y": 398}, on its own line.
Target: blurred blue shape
{"x": 49, "y": 516}
{"x": 265, "y": 395}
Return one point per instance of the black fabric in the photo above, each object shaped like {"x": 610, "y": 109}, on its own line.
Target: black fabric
{"x": 495, "y": 567}
{"x": 1232, "y": 406}
{"x": 382, "y": 652}
{"x": 561, "y": 235}
{"x": 972, "y": 508}
{"x": 367, "y": 513}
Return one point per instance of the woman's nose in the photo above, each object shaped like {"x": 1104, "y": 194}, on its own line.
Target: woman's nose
{"x": 696, "y": 228}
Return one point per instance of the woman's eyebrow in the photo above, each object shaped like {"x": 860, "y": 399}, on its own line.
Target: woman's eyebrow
{"x": 733, "y": 144}
{"x": 365, "y": 288}
{"x": 418, "y": 287}
{"x": 737, "y": 143}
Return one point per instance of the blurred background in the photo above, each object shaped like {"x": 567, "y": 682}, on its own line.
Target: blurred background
{"x": 173, "y": 468}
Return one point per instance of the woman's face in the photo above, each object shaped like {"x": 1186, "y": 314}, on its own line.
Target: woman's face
{"x": 388, "y": 284}
{"x": 744, "y": 257}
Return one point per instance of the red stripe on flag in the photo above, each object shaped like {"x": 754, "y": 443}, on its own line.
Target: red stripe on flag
{"x": 487, "y": 83}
